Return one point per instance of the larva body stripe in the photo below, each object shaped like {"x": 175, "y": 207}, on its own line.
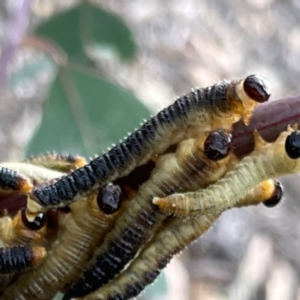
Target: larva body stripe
{"x": 85, "y": 228}
{"x": 188, "y": 168}
{"x": 203, "y": 110}
{"x": 13, "y": 181}
{"x": 266, "y": 161}
{"x": 19, "y": 258}
{"x": 63, "y": 162}
{"x": 153, "y": 258}
{"x": 168, "y": 241}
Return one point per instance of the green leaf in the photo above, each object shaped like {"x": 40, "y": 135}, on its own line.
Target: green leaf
{"x": 28, "y": 73}
{"x": 84, "y": 114}
{"x": 86, "y": 27}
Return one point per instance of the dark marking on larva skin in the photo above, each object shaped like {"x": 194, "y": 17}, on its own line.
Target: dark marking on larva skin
{"x": 141, "y": 219}
{"x": 206, "y": 108}
{"x": 15, "y": 259}
{"x": 154, "y": 257}
{"x": 13, "y": 181}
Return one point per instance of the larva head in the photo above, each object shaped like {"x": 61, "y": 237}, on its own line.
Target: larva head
{"x": 276, "y": 196}
{"x": 292, "y": 145}
{"x": 37, "y": 223}
{"x": 217, "y": 145}
{"x": 108, "y": 199}
{"x": 252, "y": 90}
{"x": 286, "y": 151}
{"x": 30, "y": 230}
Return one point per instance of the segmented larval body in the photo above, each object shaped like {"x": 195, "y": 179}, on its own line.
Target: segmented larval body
{"x": 189, "y": 167}
{"x": 84, "y": 229}
{"x": 268, "y": 160}
{"x": 169, "y": 241}
{"x": 202, "y": 110}
{"x": 63, "y": 162}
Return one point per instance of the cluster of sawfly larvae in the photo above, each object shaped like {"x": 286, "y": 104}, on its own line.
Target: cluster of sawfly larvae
{"x": 105, "y": 229}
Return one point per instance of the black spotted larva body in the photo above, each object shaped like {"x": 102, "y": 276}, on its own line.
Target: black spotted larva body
{"x": 203, "y": 110}
{"x": 167, "y": 242}
{"x": 188, "y": 168}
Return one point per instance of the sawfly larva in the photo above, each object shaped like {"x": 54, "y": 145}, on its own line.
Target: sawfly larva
{"x": 170, "y": 240}
{"x": 202, "y": 110}
{"x": 63, "y": 162}
{"x": 268, "y": 160}
{"x": 188, "y": 168}
{"x": 84, "y": 229}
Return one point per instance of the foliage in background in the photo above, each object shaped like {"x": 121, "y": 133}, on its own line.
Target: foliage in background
{"x": 85, "y": 113}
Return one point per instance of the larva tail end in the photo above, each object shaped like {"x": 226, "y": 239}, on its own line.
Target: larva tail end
{"x": 80, "y": 161}
{"x": 38, "y": 254}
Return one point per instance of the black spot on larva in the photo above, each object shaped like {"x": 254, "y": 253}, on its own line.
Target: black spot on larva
{"x": 10, "y": 179}
{"x": 133, "y": 289}
{"x": 257, "y": 88}
{"x": 99, "y": 167}
{"x": 16, "y": 258}
{"x": 116, "y": 297}
{"x": 150, "y": 276}
{"x": 148, "y": 131}
{"x": 292, "y": 145}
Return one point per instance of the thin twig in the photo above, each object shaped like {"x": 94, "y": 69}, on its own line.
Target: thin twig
{"x": 269, "y": 119}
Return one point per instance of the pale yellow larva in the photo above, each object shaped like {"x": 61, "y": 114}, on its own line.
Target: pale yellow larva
{"x": 268, "y": 160}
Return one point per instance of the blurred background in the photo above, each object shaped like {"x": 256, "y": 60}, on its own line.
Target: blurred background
{"x": 79, "y": 75}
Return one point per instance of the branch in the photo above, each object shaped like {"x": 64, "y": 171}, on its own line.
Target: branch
{"x": 269, "y": 119}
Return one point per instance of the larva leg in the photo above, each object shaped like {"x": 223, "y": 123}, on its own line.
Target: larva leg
{"x": 18, "y": 258}
{"x": 189, "y": 167}
{"x": 203, "y": 110}
{"x": 167, "y": 242}
{"x": 63, "y": 162}
{"x": 268, "y": 160}
{"x": 84, "y": 228}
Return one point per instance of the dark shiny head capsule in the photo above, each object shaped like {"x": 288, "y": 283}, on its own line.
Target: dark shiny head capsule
{"x": 292, "y": 145}
{"x": 276, "y": 197}
{"x": 39, "y": 221}
{"x": 257, "y": 88}
{"x": 108, "y": 199}
{"x": 217, "y": 144}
